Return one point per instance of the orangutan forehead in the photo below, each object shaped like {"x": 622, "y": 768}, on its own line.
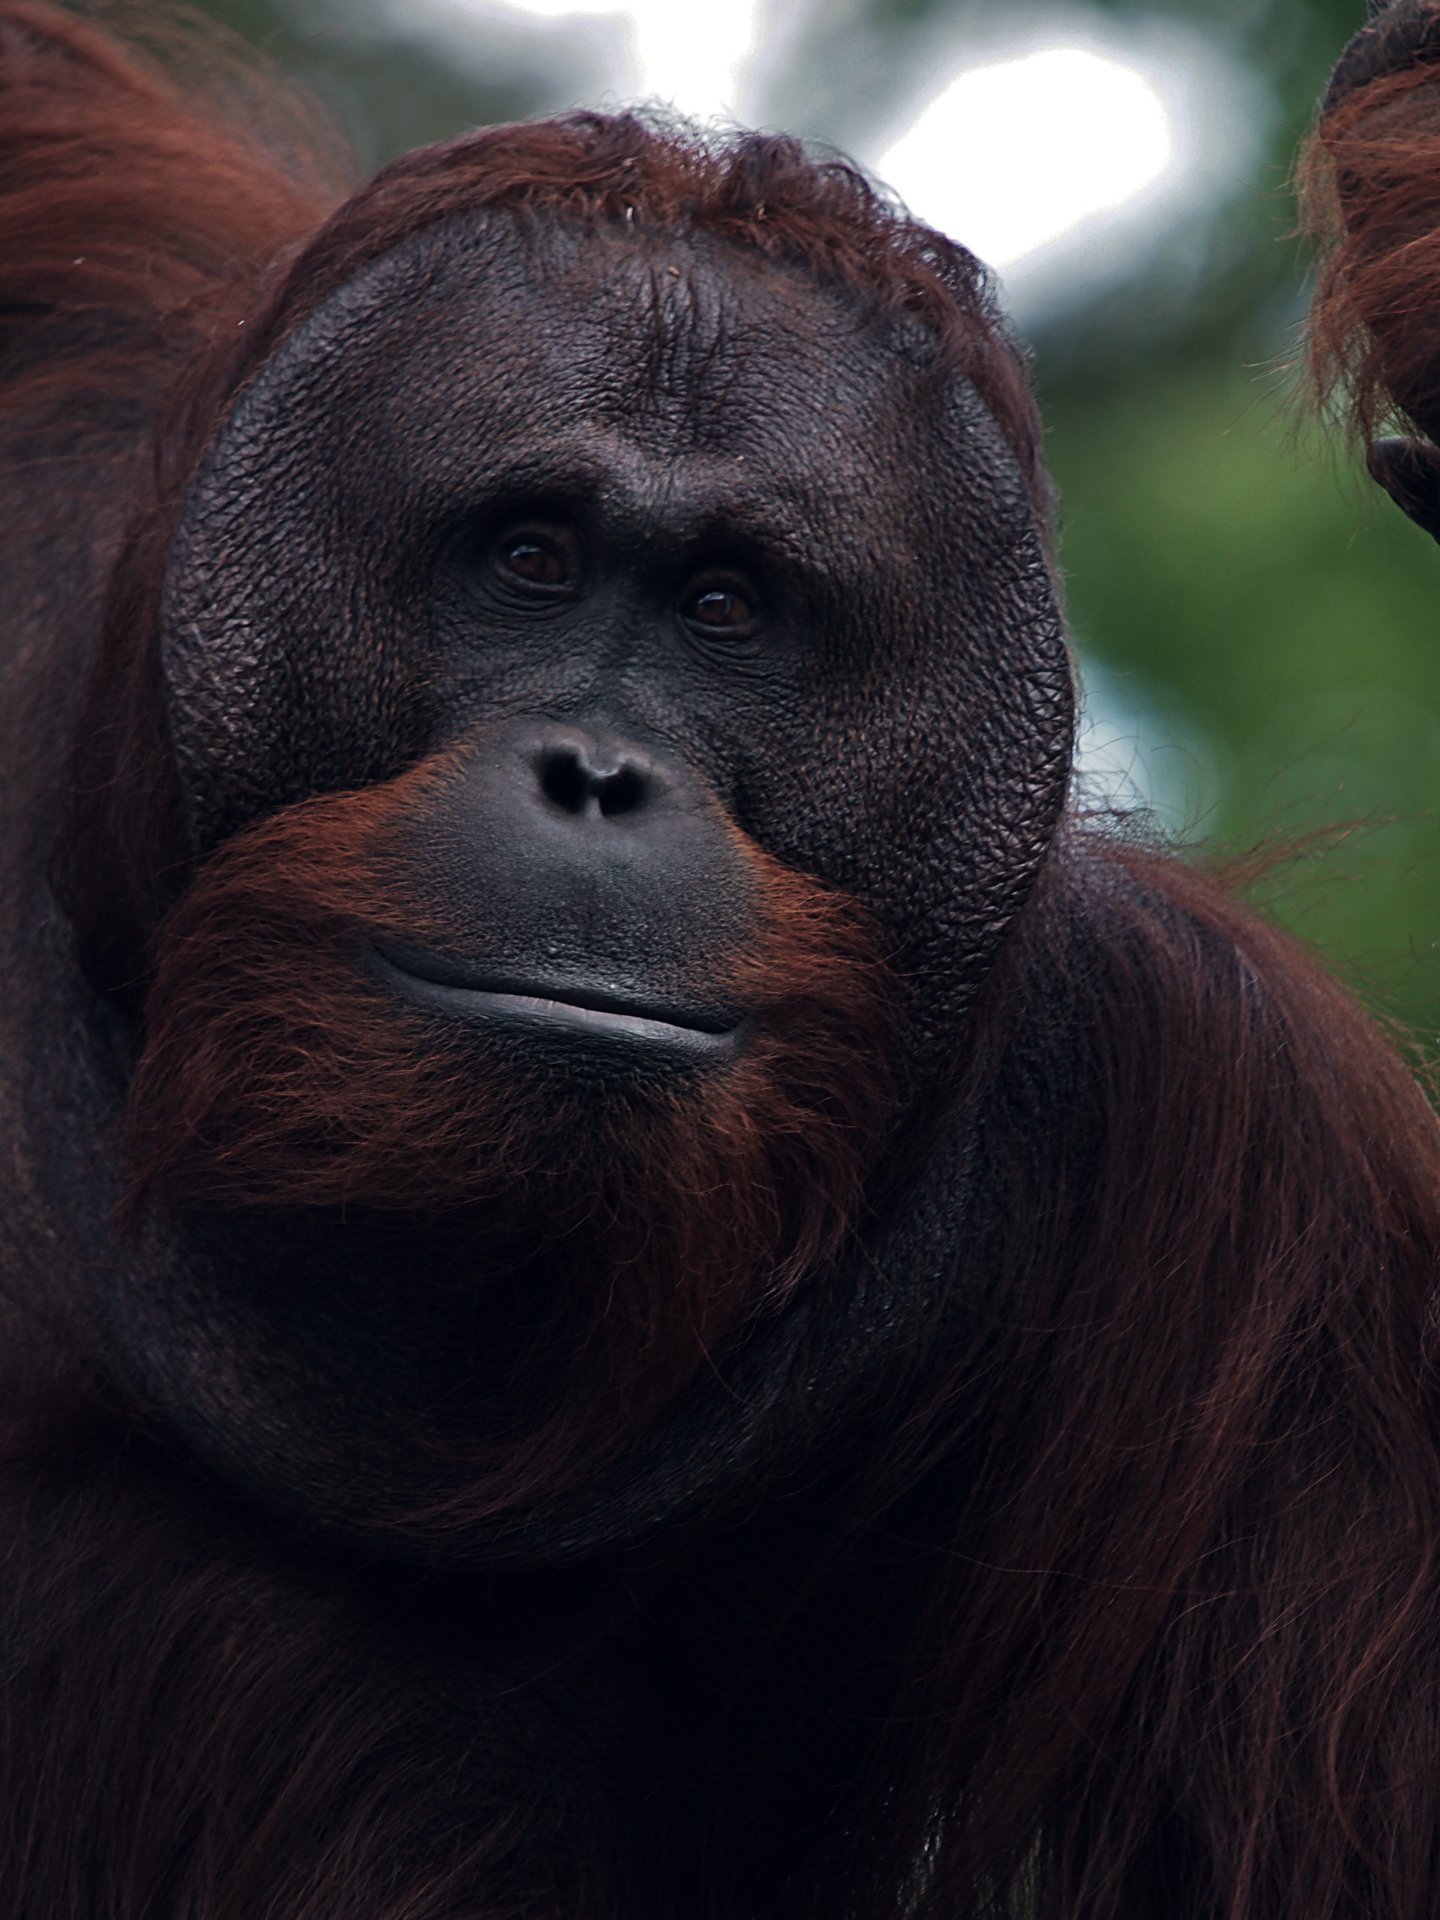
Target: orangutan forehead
{"x": 633, "y": 327}
{"x": 710, "y": 304}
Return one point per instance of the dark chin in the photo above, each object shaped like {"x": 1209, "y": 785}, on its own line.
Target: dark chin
{"x": 562, "y": 1022}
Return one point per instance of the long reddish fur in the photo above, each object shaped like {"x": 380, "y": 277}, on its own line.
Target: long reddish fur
{"x": 1196, "y": 1671}
{"x": 279, "y": 1072}
{"x": 1370, "y": 196}
{"x": 1180, "y": 1650}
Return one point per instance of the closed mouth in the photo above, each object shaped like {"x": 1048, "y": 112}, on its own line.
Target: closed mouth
{"x": 558, "y": 1006}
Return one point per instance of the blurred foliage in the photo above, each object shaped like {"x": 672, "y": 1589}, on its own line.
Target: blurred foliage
{"x": 389, "y": 92}
{"x": 1263, "y": 602}
{"x": 1242, "y": 573}
{"x": 1282, "y": 622}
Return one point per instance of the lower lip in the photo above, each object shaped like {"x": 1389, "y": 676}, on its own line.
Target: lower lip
{"x": 555, "y": 1017}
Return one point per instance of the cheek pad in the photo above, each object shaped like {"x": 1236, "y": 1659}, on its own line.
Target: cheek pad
{"x": 284, "y": 643}
{"x": 295, "y": 622}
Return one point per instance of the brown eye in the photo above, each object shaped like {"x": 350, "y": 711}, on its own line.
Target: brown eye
{"x": 720, "y": 610}
{"x": 536, "y": 562}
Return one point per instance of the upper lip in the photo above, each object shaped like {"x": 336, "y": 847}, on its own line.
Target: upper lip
{"x": 465, "y": 978}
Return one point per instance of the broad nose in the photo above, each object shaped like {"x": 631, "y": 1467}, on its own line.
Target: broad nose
{"x": 595, "y": 774}
{"x": 566, "y": 851}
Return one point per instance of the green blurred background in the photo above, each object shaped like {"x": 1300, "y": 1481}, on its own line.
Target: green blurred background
{"x": 1257, "y": 622}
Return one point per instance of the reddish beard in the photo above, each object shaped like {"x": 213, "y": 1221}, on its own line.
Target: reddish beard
{"x": 279, "y": 1073}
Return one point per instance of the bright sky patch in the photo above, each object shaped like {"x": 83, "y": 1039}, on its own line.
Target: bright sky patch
{"x": 1011, "y": 156}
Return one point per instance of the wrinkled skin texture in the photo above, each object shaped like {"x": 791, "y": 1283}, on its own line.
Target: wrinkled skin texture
{"x": 680, "y": 410}
{"x": 334, "y": 613}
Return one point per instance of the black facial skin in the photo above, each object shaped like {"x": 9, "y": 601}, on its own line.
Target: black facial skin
{"x": 699, "y": 551}
{"x": 600, "y": 884}
{"x": 644, "y": 524}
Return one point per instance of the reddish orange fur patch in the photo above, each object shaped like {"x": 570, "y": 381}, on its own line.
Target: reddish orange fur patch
{"x": 1370, "y": 189}
{"x": 278, "y": 1073}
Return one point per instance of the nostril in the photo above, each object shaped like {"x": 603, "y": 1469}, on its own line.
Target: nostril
{"x": 621, "y": 792}
{"x": 570, "y": 779}
{"x": 565, "y": 781}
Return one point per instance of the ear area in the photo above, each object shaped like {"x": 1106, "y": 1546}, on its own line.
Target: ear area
{"x": 1409, "y": 471}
